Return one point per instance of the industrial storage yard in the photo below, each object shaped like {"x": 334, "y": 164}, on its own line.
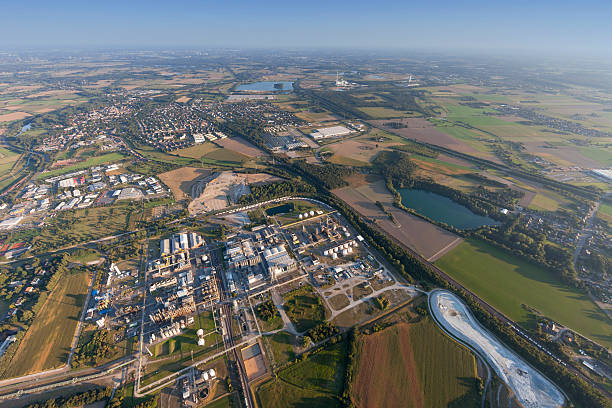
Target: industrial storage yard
{"x": 529, "y": 386}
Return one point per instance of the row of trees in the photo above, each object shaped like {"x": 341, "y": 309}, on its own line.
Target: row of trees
{"x": 76, "y": 400}
{"x": 264, "y": 192}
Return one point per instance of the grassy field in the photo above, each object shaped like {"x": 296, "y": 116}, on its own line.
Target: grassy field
{"x": 224, "y": 157}
{"x": 8, "y": 167}
{"x": 414, "y": 365}
{"x": 379, "y": 112}
{"x": 187, "y": 341}
{"x": 304, "y": 307}
{"x": 281, "y": 346}
{"x": 508, "y": 282}
{"x": 347, "y": 161}
{"x": 197, "y": 151}
{"x": 605, "y": 212}
{"x": 601, "y": 154}
{"x": 93, "y": 161}
{"x": 47, "y": 342}
{"x": 314, "y": 382}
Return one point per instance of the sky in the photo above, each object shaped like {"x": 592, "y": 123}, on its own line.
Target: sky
{"x": 556, "y": 27}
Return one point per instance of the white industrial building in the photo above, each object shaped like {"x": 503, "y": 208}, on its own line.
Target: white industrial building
{"x": 279, "y": 261}
{"x": 334, "y": 131}
{"x": 179, "y": 242}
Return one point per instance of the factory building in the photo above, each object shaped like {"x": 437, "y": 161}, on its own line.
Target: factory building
{"x": 333, "y": 131}
{"x": 180, "y": 242}
{"x": 279, "y": 261}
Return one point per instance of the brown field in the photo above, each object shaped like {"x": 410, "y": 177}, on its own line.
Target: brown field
{"x": 413, "y": 365}
{"x": 360, "y": 150}
{"x": 421, "y": 130}
{"x": 428, "y": 240}
{"x": 181, "y": 180}
{"x": 375, "y": 357}
{"x": 255, "y": 366}
{"x": 241, "y": 146}
{"x": 9, "y": 117}
{"x": 565, "y": 153}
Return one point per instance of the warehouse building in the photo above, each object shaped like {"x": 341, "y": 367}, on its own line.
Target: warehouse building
{"x": 328, "y": 132}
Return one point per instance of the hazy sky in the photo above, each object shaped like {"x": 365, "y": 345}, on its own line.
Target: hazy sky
{"x": 561, "y": 26}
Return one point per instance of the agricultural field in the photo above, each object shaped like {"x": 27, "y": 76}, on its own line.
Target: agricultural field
{"x": 605, "y": 212}
{"x": 224, "y": 157}
{"x": 414, "y": 365}
{"x": 379, "y": 112}
{"x": 197, "y": 151}
{"x": 241, "y": 146}
{"x": 90, "y": 162}
{"x": 47, "y": 342}
{"x": 304, "y": 307}
{"x": 508, "y": 282}
{"x": 314, "y": 382}
{"x": 9, "y": 166}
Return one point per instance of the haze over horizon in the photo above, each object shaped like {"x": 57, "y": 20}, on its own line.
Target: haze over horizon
{"x": 550, "y": 27}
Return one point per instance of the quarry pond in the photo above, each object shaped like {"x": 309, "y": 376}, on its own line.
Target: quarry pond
{"x": 442, "y": 209}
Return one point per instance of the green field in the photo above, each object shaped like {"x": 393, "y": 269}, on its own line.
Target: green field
{"x": 197, "y": 151}
{"x": 281, "y": 347}
{"x": 224, "y": 157}
{"x": 414, "y": 365}
{"x": 605, "y": 212}
{"x": 304, "y": 307}
{"x": 507, "y": 282}
{"x": 9, "y": 166}
{"x": 601, "y": 154}
{"x": 347, "y": 161}
{"x": 314, "y": 382}
{"x": 379, "y": 112}
{"x": 92, "y": 161}
{"x": 187, "y": 340}
{"x": 47, "y": 342}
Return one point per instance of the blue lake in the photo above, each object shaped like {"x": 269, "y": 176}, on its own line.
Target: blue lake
{"x": 279, "y": 86}
{"x": 443, "y": 209}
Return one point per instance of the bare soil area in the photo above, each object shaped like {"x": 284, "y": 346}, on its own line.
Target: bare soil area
{"x": 181, "y": 180}
{"x": 429, "y": 240}
{"x": 240, "y": 145}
